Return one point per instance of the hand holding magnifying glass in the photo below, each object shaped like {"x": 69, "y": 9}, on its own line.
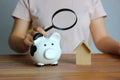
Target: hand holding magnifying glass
{"x": 63, "y": 19}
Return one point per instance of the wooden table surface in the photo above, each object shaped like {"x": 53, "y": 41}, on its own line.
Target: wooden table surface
{"x": 16, "y": 67}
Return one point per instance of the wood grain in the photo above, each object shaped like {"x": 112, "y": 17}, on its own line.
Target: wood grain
{"x": 103, "y": 67}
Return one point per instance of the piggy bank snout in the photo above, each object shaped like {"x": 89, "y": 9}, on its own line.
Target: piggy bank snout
{"x": 50, "y": 54}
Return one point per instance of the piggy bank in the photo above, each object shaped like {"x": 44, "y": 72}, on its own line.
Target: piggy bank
{"x": 46, "y": 50}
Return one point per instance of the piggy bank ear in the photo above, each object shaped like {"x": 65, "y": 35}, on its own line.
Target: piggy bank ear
{"x": 55, "y": 36}
{"x": 37, "y": 35}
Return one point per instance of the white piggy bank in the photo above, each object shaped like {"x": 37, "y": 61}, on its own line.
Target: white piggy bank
{"x": 45, "y": 51}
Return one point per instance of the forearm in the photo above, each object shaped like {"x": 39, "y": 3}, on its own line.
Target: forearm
{"x": 17, "y": 36}
{"x": 17, "y": 44}
{"x": 108, "y": 45}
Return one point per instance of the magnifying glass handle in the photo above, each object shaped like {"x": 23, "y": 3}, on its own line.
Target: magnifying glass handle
{"x": 48, "y": 28}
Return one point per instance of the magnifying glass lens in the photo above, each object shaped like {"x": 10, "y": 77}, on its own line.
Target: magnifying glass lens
{"x": 64, "y": 19}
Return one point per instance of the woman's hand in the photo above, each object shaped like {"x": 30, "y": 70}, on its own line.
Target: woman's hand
{"x": 21, "y": 36}
{"x": 29, "y": 35}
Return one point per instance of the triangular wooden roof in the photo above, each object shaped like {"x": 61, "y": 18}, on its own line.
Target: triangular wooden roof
{"x": 85, "y": 44}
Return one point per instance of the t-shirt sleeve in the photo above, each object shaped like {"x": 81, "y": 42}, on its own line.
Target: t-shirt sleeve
{"x": 22, "y": 10}
{"x": 98, "y": 10}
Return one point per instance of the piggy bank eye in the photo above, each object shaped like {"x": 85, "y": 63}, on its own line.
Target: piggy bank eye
{"x": 45, "y": 44}
{"x": 52, "y": 44}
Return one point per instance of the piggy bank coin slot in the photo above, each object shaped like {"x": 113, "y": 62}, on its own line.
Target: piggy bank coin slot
{"x": 37, "y": 35}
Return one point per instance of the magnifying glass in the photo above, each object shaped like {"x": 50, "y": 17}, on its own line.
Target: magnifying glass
{"x": 62, "y": 19}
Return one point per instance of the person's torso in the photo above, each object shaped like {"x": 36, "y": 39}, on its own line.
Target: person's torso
{"x": 43, "y": 10}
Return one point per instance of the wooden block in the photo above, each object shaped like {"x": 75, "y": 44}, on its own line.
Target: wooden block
{"x": 83, "y": 54}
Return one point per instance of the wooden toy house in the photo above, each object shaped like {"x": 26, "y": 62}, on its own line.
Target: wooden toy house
{"x": 83, "y": 54}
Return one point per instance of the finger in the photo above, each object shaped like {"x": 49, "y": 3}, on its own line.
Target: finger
{"x": 28, "y": 40}
{"x": 33, "y": 32}
{"x": 40, "y": 30}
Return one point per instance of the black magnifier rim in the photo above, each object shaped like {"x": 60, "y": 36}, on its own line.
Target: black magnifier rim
{"x": 56, "y": 27}
{"x": 61, "y": 10}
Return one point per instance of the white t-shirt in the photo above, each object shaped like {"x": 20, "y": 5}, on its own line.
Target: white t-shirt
{"x": 40, "y": 12}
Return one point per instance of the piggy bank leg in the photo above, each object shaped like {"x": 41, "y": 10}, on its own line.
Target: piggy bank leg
{"x": 40, "y": 64}
{"x": 55, "y": 63}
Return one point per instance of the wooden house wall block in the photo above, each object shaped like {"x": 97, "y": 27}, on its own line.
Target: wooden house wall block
{"x": 83, "y": 54}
